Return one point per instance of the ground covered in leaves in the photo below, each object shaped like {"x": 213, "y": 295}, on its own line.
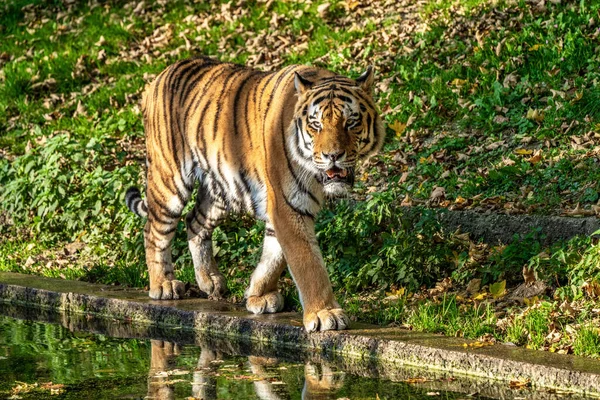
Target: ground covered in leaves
{"x": 491, "y": 105}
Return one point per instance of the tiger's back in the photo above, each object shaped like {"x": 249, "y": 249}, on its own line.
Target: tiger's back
{"x": 273, "y": 145}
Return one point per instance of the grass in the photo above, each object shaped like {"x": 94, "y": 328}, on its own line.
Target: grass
{"x": 496, "y": 102}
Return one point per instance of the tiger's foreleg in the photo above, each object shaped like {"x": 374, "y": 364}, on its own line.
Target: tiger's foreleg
{"x": 262, "y": 295}
{"x": 200, "y": 222}
{"x": 296, "y": 234}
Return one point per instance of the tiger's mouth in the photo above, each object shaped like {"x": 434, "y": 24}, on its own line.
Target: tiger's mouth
{"x": 338, "y": 175}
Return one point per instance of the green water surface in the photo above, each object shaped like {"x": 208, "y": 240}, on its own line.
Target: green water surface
{"x": 40, "y": 360}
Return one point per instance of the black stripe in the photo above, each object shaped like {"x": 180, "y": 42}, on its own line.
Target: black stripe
{"x": 165, "y": 210}
{"x": 361, "y": 96}
{"x": 184, "y": 70}
{"x": 200, "y": 134}
{"x": 168, "y": 117}
{"x": 155, "y": 217}
{"x": 248, "y": 188}
{"x": 154, "y": 118}
{"x": 236, "y": 100}
{"x": 371, "y": 130}
{"x": 200, "y": 94}
{"x": 192, "y": 86}
{"x": 199, "y": 71}
{"x": 182, "y": 196}
{"x": 190, "y": 228}
{"x": 165, "y": 232}
{"x": 367, "y": 140}
{"x": 300, "y": 133}
{"x": 299, "y": 184}
{"x": 334, "y": 79}
{"x": 262, "y": 92}
{"x": 285, "y": 72}
{"x": 223, "y": 93}
{"x": 159, "y": 248}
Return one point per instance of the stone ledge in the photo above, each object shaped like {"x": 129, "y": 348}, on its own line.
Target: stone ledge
{"x": 378, "y": 348}
{"x": 494, "y": 228}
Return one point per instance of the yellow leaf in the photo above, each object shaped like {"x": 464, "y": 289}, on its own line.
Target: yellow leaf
{"x": 578, "y": 96}
{"x": 531, "y": 300}
{"x": 498, "y": 289}
{"x": 523, "y": 152}
{"x": 480, "y": 296}
{"x": 536, "y": 47}
{"x": 398, "y": 127}
{"x": 535, "y": 115}
{"x": 398, "y": 292}
{"x": 459, "y": 82}
{"x": 460, "y": 200}
{"x": 352, "y": 4}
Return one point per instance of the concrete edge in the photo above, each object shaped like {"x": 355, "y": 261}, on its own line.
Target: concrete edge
{"x": 385, "y": 347}
{"x": 495, "y": 227}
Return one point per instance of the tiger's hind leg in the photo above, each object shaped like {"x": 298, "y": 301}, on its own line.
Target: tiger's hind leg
{"x": 165, "y": 204}
{"x": 262, "y": 296}
{"x": 201, "y": 221}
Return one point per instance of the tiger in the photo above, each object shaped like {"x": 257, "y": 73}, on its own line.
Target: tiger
{"x": 274, "y": 145}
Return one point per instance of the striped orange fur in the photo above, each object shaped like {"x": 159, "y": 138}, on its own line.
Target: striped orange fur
{"x": 271, "y": 144}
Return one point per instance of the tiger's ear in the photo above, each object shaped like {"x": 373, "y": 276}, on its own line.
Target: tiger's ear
{"x": 365, "y": 81}
{"x": 301, "y": 83}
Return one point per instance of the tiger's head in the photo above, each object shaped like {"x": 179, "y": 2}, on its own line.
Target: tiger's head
{"x": 335, "y": 125}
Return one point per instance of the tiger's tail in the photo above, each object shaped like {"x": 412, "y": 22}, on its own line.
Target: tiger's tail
{"x": 134, "y": 201}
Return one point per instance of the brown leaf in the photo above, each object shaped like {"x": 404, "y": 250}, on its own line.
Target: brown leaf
{"x": 323, "y": 9}
{"x": 438, "y": 193}
{"x": 500, "y": 119}
{"x": 474, "y": 286}
{"x": 529, "y": 275}
{"x": 406, "y": 202}
{"x": 519, "y": 384}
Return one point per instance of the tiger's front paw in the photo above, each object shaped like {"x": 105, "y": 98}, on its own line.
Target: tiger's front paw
{"x": 270, "y": 303}
{"x": 212, "y": 284}
{"x": 326, "y": 320}
{"x": 167, "y": 290}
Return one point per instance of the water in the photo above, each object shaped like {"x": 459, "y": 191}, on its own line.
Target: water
{"x": 47, "y": 360}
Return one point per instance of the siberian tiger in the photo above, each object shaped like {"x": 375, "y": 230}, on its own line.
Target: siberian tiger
{"x": 271, "y": 144}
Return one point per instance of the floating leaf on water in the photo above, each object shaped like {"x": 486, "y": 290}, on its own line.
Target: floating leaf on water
{"x": 418, "y": 379}
{"x": 519, "y": 384}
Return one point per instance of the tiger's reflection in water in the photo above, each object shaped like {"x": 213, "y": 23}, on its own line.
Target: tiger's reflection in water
{"x": 320, "y": 382}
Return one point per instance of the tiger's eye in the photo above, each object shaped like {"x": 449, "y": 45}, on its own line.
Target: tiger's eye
{"x": 316, "y": 125}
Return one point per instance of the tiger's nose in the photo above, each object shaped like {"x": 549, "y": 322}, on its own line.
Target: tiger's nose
{"x": 334, "y": 156}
